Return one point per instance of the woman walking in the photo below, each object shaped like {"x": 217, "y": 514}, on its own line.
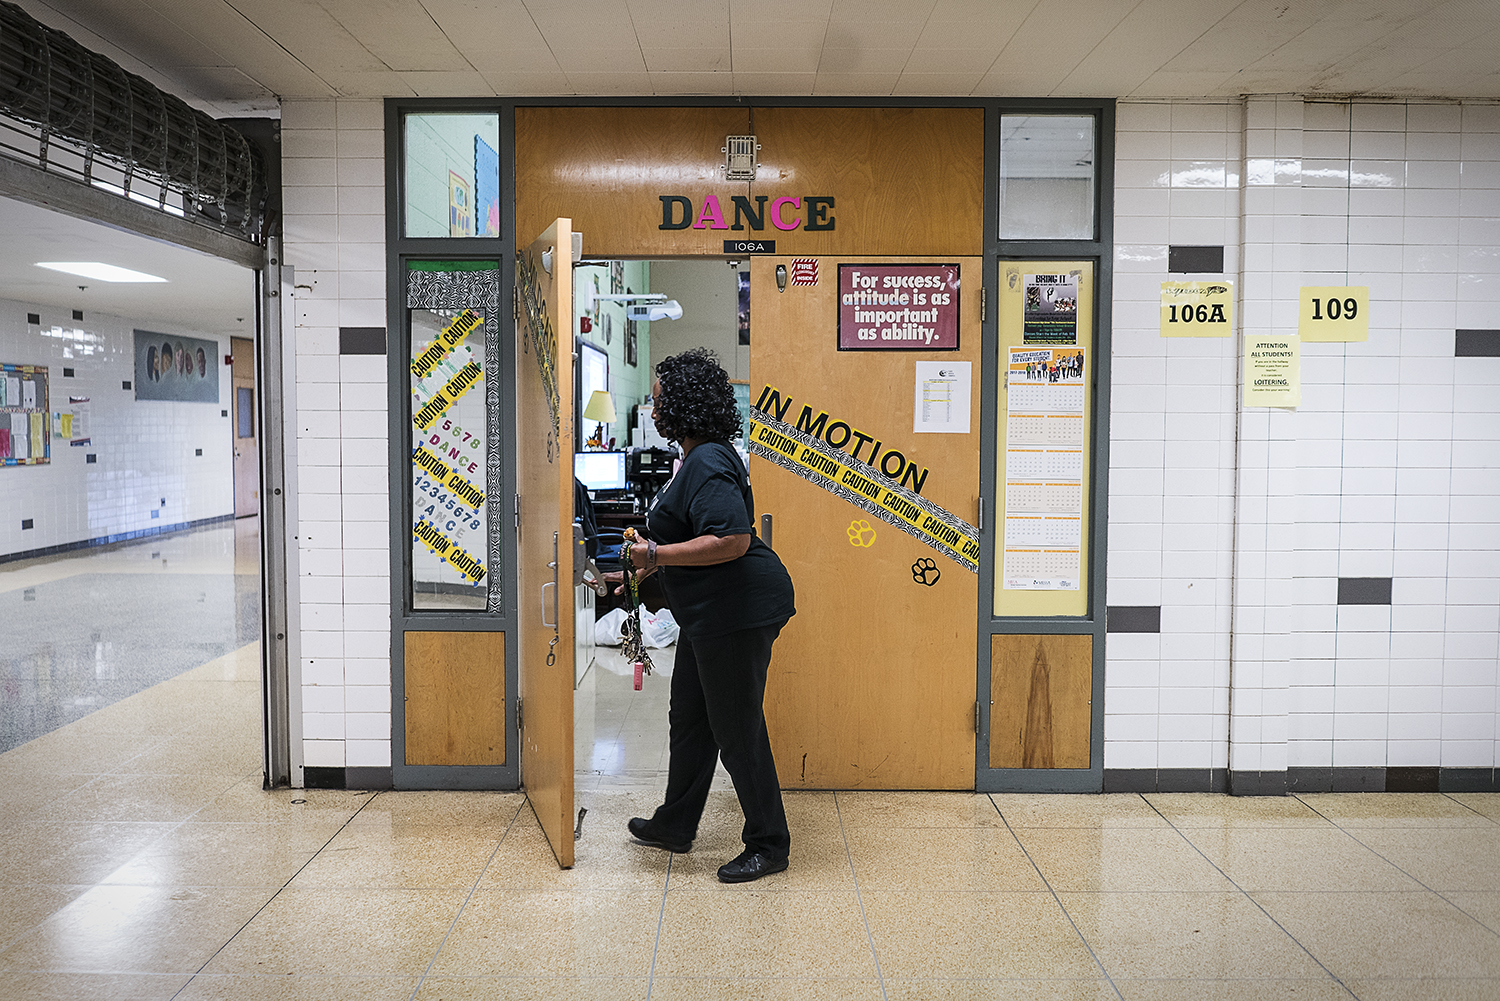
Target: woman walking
{"x": 731, "y": 596}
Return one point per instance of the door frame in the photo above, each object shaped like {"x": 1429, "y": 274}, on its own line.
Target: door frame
{"x": 994, "y": 251}
{"x": 400, "y": 249}
{"x": 1100, "y": 250}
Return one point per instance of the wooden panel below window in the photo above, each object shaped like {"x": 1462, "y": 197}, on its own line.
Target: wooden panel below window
{"x": 1040, "y": 691}
{"x": 455, "y": 698}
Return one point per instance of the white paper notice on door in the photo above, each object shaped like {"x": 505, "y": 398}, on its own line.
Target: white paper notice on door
{"x": 942, "y": 402}
{"x": 1044, "y": 461}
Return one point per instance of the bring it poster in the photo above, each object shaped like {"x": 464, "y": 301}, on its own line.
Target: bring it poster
{"x": 172, "y": 367}
{"x": 1051, "y": 314}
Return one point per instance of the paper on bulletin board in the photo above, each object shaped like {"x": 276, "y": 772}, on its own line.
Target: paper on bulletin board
{"x": 1273, "y": 371}
{"x": 1197, "y": 309}
{"x": 942, "y": 400}
{"x": 1337, "y": 313}
{"x": 1044, "y": 460}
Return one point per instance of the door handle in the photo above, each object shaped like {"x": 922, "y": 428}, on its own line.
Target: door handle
{"x": 553, "y": 624}
{"x": 765, "y": 530}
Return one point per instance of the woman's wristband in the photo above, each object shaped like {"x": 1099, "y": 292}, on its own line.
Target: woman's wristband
{"x": 651, "y": 554}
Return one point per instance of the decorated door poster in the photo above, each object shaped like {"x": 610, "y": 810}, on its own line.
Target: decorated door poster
{"x": 448, "y": 463}
{"x": 1044, "y": 463}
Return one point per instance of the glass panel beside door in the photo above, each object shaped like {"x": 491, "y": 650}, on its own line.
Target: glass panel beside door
{"x": 1044, "y": 441}
{"x": 454, "y": 414}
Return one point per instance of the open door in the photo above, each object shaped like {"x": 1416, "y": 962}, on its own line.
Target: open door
{"x": 246, "y": 451}
{"x": 872, "y": 685}
{"x": 544, "y": 527}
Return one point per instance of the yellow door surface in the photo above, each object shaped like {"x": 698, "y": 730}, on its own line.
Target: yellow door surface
{"x": 872, "y": 684}
{"x": 544, "y": 490}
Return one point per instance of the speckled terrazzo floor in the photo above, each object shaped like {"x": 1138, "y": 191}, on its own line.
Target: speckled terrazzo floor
{"x": 83, "y": 631}
{"x": 140, "y": 859}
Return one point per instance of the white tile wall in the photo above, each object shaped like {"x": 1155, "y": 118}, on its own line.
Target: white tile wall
{"x": 1387, "y": 468}
{"x": 334, "y": 172}
{"x": 146, "y": 449}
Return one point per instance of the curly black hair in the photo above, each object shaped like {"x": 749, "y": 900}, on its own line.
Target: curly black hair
{"x": 696, "y": 400}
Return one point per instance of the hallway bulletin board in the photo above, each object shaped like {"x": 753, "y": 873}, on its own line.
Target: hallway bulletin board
{"x": 24, "y": 427}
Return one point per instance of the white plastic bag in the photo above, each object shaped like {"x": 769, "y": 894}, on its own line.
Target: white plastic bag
{"x": 609, "y": 630}
{"x": 658, "y": 629}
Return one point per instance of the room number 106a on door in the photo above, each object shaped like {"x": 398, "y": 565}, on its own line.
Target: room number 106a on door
{"x": 1334, "y": 313}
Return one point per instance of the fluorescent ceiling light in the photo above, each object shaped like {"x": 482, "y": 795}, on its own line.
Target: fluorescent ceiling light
{"x": 99, "y": 272}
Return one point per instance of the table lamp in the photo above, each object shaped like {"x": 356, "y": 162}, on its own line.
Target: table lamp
{"x": 601, "y": 408}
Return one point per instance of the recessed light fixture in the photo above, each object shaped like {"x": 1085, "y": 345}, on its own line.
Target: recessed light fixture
{"x": 96, "y": 270}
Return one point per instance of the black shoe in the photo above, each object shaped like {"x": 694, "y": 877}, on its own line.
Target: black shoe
{"x": 645, "y": 833}
{"x": 748, "y": 866}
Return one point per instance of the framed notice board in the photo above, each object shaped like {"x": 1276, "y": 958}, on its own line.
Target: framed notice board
{"x": 25, "y": 432}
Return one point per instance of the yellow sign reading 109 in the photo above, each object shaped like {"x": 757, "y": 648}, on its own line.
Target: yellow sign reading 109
{"x": 1335, "y": 313}
{"x": 1197, "y": 309}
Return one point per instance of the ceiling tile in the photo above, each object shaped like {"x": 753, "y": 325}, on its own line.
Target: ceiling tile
{"x": 774, "y": 84}
{"x": 399, "y": 32}
{"x": 624, "y": 59}
{"x": 448, "y": 83}
{"x": 872, "y": 84}
{"x": 906, "y": 12}
{"x": 937, "y": 84}
{"x": 523, "y": 84}
{"x": 863, "y": 61}
{"x": 975, "y": 62}
{"x": 687, "y": 60}
{"x": 774, "y": 35}
{"x": 622, "y": 84}
{"x": 478, "y": 28}
{"x": 792, "y": 59}
{"x": 780, "y": 11}
{"x": 692, "y": 83}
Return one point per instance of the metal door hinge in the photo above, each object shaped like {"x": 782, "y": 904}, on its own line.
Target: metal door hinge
{"x": 518, "y": 514}
{"x": 981, "y": 303}
{"x": 518, "y": 714}
{"x": 976, "y": 715}
{"x": 980, "y": 526}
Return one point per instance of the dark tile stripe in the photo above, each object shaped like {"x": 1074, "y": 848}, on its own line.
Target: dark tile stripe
{"x": 1364, "y": 590}
{"x": 1476, "y": 344}
{"x": 1411, "y": 780}
{"x": 361, "y": 340}
{"x": 1185, "y": 259}
{"x": 1133, "y": 619}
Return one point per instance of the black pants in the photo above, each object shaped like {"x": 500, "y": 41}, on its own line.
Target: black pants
{"x": 718, "y": 690}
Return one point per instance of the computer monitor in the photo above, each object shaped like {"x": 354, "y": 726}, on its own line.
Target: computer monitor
{"x": 600, "y": 470}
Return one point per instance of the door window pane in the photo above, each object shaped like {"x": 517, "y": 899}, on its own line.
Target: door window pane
{"x": 455, "y": 404}
{"x": 244, "y": 409}
{"x": 452, "y": 175}
{"x": 1047, "y": 177}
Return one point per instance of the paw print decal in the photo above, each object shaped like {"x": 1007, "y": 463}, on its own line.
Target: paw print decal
{"x": 924, "y": 571}
{"x": 861, "y": 533}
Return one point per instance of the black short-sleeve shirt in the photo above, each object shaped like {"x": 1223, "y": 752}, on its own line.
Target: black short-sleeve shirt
{"x": 710, "y": 495}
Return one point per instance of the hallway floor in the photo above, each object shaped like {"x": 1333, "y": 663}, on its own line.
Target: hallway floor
{"x": 140, "y": 859}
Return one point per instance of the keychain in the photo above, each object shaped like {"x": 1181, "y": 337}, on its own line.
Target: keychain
{"x": 634, "y": 646}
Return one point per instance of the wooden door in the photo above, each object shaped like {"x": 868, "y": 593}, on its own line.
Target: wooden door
{"x": 242, "y": 426}
{"x": 872, "y": 683}
{"x": 544, "y": 493}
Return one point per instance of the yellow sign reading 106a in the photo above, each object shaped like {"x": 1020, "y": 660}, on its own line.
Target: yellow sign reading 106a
{"x": 1197, "y": 309}
{"x": 1334, "y": 313}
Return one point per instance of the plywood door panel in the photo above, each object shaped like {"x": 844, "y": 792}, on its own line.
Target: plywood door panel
{"x": 606, "y": 168}
{"x": 908, "y": 180}
{"x": 903, "y": 180}
{"x": 872, "y": 683}
{"x": 1040, "y": 688}
{"x": 544, "y": 488}
{"x": 455, "y": 698}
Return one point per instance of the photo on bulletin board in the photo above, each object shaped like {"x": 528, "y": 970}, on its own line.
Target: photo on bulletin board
{"x": 616, "y": 277}
{"x": 172, "y": 367}
{"x": 486, "y": 189}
